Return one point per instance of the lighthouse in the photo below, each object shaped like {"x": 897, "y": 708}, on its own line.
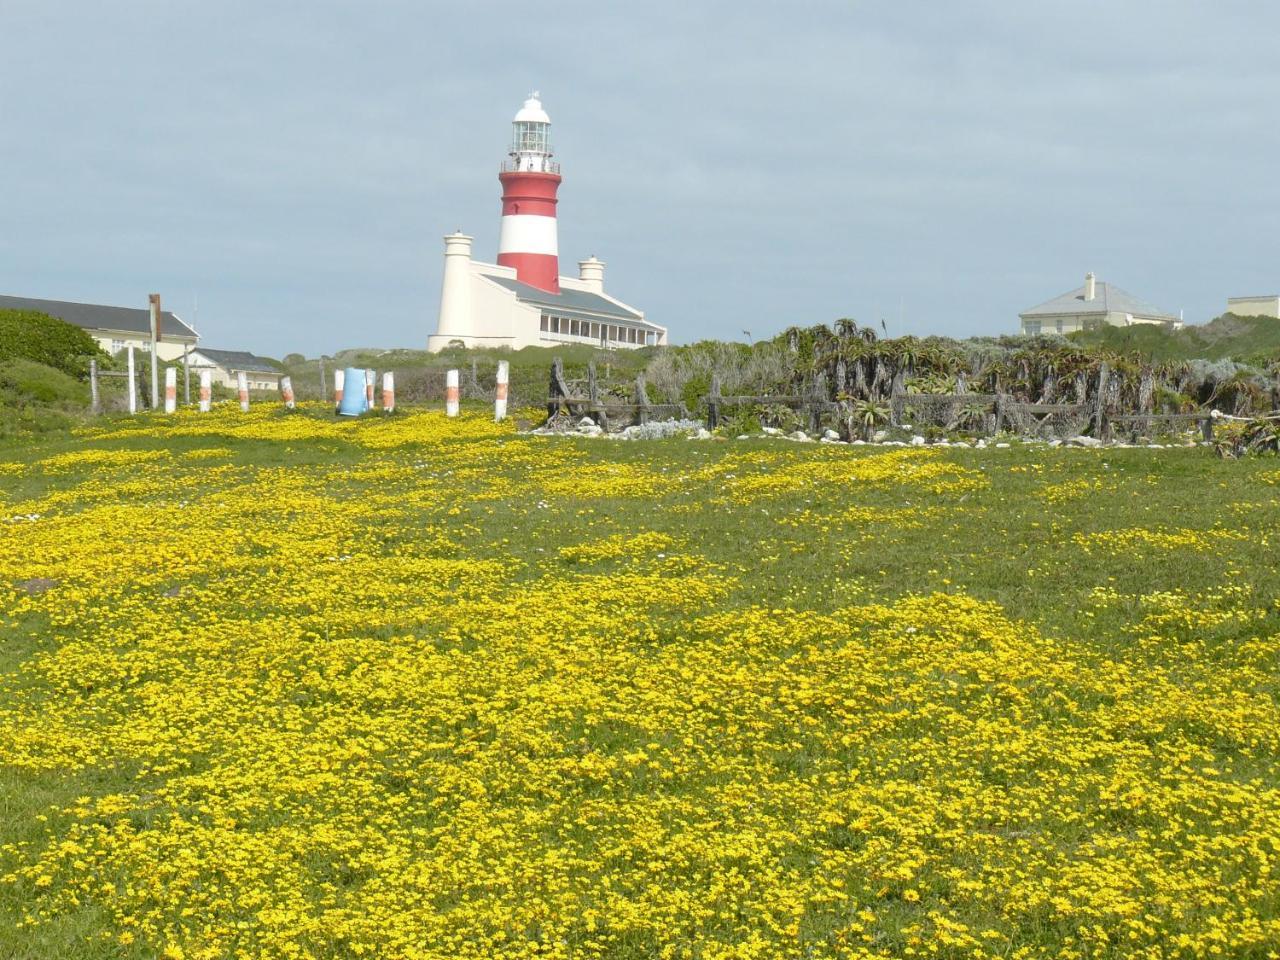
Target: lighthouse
{"x": 530, "y": 179}
{"x": 522, "y": 300}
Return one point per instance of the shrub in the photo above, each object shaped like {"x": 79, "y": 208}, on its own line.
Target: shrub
{"x": 31, "y": 335}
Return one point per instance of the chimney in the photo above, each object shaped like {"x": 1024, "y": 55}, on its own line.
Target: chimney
{"x": 591, "y": 272}
{"x": 1090, "y": 287}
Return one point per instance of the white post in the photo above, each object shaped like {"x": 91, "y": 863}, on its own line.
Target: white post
{"x": 500, "y": 392}
{"x": 170, "y": 389}
{"x": 338, "y": 376}
{"x": 133, "y": 383}
{"x": 388, "y": 391}
{"x": 369, "y": 376}
{"x": 286, "y": 389}
{"x": 451, "y": 393}
{"x": 206, "y": 390}
{"x": 155, "y": 359}
{"x": 242, "y": 385}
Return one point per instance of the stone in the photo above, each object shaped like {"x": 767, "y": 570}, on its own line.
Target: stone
{"x": 858, "y": 443}
{"x": 830, "y": 435}
{"x": 771, "y": 431}
{"x": 1002, "y": 446}
{"x": 37, "y": 585}
{"x": 917, "y": 441}
{"x": 800, "y": 436}
{"x": 1083, "y": 441}
{"x": 880, "y": 436}
{"x": 981, "y": 444}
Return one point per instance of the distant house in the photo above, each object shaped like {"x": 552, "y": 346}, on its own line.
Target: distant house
{"x": 224, "y": 365}
{"x": 1254, "y": 306}
{"x": 1094, "y": 305}
{"x": 115, "y": 327}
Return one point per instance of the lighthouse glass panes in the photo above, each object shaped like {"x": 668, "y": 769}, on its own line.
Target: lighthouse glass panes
{"x": 531, "y": 147}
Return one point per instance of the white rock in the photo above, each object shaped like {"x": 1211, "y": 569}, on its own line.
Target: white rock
{"x": 917, "y": 441}
{"x": 1001, "y": 446}
{"x": 830, "y": 435}
{"x": 586, "y": 422}
{"x": 771, "y": 431}
{"x": 858, "y": 443}
{"x": 1055, "y": 442}
{"x": 743, "y": 436}
{"x": 800, "y": 436}
{"x": 1083, "y": 441}
{"x": 981, "y": 444}
{"x": 880, "y": 436}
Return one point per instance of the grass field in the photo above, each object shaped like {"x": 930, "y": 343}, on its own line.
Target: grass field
{"x": 275, "y": 686}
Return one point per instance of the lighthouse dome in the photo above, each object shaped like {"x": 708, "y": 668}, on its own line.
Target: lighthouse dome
{"x": 532, "y": 111}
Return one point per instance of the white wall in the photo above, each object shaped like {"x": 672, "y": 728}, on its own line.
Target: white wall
{"x": 1254, "y": 306}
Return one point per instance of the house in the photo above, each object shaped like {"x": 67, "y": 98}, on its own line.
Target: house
{"x": 224, "y": 365}
{"x": 1254, "y": 306}
{"x": 1094, "y": 305}
{"x": 115, "y": 328}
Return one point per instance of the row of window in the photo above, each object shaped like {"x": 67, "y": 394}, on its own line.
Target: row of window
{"x": 1033, "y": 328}
{"x": 598, "y": 332}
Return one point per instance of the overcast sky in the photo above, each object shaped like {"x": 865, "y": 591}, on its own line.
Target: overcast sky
{"x": 738, "y": 165}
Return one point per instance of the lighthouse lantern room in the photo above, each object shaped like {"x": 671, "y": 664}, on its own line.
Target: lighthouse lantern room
{"x": 522, "y": 300}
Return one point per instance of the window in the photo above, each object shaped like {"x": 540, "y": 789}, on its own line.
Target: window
{"x": 1057, "y": 325}
{"x": 117, "y": 346}
{"x": 573, "y": 328}
{"x": 1031, "y": 328}
{"x": 545, "y": 320}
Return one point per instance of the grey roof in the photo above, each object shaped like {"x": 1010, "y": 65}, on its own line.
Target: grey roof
{"x": 1108, "y": 298}
{"x": 567, "y": 303}
{"x": 92, "y": 316}
{"x": 239, "y": 360}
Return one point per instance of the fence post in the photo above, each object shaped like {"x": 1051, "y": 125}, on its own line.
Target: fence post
{"x": 186, "y": 376}
{"x": 95, "y": 403}
{"x": 451, "y": 393}
{"x": 324, "y": 386}
{"x": 1206, "y": 429}
{"x": 713, "y": 403}
{"x": 642, "y": 400}
{"x": 1100, "y": 404}
{"x": 170, "y": 390}
{"x": 339, "y": 376}
{"x": 206, "y": 390}
{"x": 242, "y": 387}
{"x": 500, "y": 391}
{"x": 286, "y": 390}
{"x": 133, "y": 382}
{"x": 369, "y": 377}
{"x": 388, "y": 392}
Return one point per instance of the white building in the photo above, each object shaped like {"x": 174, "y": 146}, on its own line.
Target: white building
{"x": 115, "y": 328}
{"x": 223, "y": 365}
{"x": 522, "y": 301}
{"x": 1094, "y": 305}
{"x": 1254, "y": 306}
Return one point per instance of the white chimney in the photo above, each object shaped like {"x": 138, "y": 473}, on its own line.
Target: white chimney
{"x": 1090, "y": 286}
{"x": 455, "y": 322}
{"x": 591, "y": 272}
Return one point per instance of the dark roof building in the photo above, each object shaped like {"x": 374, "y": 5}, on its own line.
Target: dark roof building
{"x": 97, "y": 317}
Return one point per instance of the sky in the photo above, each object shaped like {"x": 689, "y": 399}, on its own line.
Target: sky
{"x": 283, "y": 173}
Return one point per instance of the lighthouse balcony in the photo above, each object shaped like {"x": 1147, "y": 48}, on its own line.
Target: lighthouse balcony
{"x": 529, "y": 164}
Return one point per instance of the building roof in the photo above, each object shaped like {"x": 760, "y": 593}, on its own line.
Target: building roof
{"x": 1108, "y": 298}
{"x": 238, "y": 360}
{"x": 568, "y": 303}
{"x": 92, "y": 316}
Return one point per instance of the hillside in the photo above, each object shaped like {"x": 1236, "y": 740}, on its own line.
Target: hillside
{"x": 1229, "y": 337}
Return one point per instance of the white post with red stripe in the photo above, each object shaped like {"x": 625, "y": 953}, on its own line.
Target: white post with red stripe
{"x": 369, "y": 377}
{"x": 170, "y": 390}
{"x": 242, "y": 387}
{"x": 530, "y": 179}
{"x": 388, "y": 391}
{"x": 206, "y": 390}
{"x": 338, "y": 376}
{"x": 500, "y": 392}
{"x": 451, "y": 393}
{"x": 286, "y": 391}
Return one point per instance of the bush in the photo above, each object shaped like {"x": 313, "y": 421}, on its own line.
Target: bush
{"x": 31, "y": 335}
{"x": 35, "y": 398}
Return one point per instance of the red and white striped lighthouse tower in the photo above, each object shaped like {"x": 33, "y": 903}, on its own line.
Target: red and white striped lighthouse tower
{"x": 529, "y": 183}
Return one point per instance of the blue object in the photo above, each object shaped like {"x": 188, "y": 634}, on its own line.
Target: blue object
{"x": 354, "y": 402}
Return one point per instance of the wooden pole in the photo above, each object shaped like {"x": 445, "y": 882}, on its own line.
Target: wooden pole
{"x": 451, "y": 393}
{"x": 133, "y": 382}
{"x": 155, "y": 360}
{"x": 95, "y": 402}
{"x": 388, "y": 392}
{"x": 500, "y": 391}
